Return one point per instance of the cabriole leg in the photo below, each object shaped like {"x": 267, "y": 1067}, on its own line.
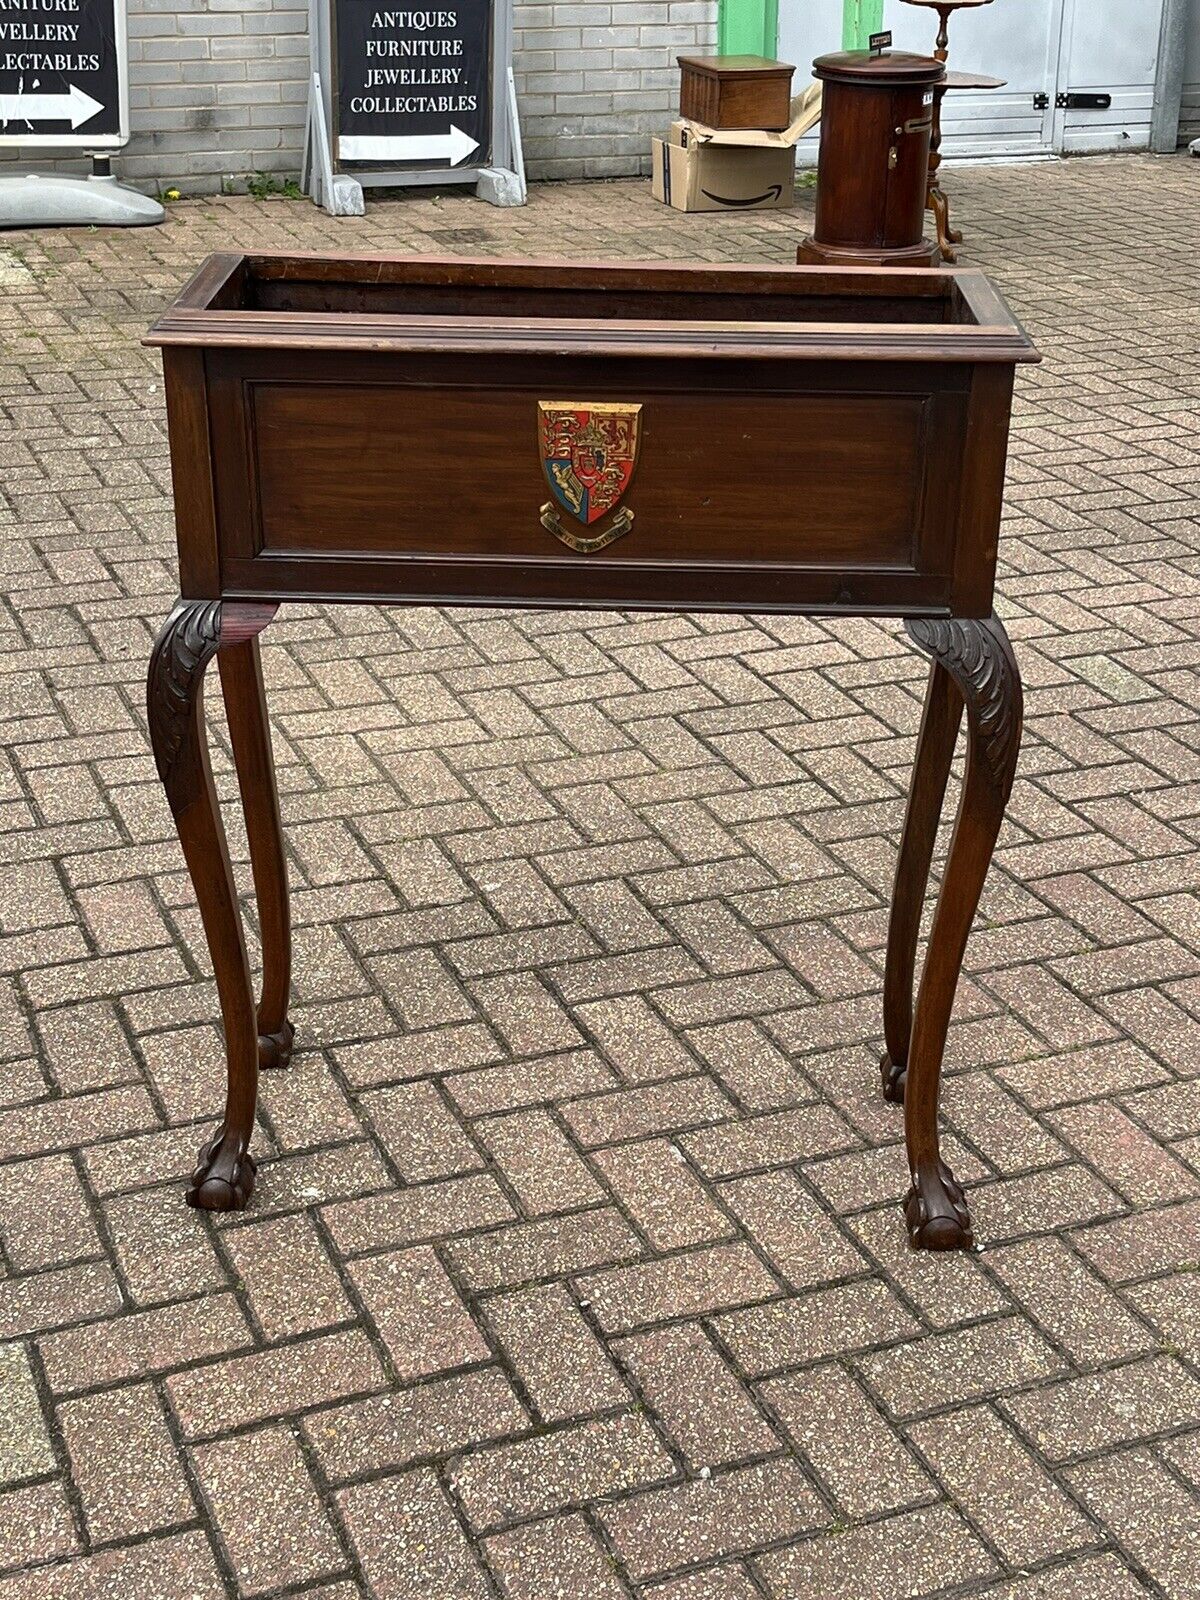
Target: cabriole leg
{"x": 977, "y": 657}
{"x": 240, "y": 665}
{"x": 931, "y": 769}
{"x": 224, "y": 1177}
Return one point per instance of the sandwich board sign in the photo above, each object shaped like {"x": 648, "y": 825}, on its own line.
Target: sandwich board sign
{"x": 63, "y": 81}
{"x": 64, "y": 86}
{"x": 414, "y": 85}
{"x": 414, "y": 94}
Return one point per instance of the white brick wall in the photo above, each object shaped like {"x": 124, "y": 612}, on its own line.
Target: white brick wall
{"x": 596, "y": 77}
{"x": 218, "y": 88}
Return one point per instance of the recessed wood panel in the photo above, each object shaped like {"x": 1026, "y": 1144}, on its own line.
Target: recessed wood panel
{"x": 821, "y": 479}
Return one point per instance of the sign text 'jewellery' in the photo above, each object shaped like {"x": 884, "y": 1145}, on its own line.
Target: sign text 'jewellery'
{"x": 414, "y": 85}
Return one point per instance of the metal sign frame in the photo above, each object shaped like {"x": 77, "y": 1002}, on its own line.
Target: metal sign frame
{"x": 505, "y": 156}
{"x": 82, "y": 140}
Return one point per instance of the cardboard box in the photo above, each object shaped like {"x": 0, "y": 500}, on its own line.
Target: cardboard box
{"x": 698, "y": 168}
{"x": 696, "y": 177}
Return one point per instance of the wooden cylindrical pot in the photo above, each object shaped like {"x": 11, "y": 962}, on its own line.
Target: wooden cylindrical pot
{"x": 876, "y": 115}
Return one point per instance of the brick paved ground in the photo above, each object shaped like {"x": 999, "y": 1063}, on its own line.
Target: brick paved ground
{"x": 575, "y": 1267}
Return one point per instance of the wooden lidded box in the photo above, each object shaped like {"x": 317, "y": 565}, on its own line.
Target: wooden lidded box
{"x": 735, "y": 91}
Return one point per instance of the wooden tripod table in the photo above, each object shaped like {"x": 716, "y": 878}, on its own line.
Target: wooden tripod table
{"x": 935, "y": 195}
{"x": 407, "y": 430}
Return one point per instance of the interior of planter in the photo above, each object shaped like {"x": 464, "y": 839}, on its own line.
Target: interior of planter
{"x": 483, "y": 289}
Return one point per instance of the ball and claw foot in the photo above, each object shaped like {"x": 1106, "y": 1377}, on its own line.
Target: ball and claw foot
{"x": 275, "y": 1049}
{"x": 936, "y": 1212}
{"x": 893, "y": 1080}
{"x": 224, "y": 1175}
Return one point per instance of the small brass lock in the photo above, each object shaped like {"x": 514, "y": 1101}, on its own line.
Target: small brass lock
{"x": 892, "y": 158}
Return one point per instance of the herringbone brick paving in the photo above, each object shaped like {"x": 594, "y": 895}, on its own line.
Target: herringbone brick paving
{"x": 576, "y": 1266}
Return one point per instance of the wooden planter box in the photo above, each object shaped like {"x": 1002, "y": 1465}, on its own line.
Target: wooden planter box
{"x": 831, "y": 439}
{"x": 408, "y": 430}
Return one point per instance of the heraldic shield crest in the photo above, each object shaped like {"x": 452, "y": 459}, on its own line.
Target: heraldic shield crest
{"x": 589, "y": 450}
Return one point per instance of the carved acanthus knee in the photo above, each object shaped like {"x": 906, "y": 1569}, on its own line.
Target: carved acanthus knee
{"x": 189, "y": 639}
{"x": 976, "y": 652}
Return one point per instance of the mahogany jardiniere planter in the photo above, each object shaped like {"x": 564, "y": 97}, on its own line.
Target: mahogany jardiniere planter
{"x": 410, "y": 430}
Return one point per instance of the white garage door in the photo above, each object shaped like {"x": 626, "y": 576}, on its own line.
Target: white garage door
{"x": 1189, "y": 119}
{"x": 1045, "y": 49}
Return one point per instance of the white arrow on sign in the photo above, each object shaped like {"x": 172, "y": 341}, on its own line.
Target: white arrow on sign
{"x": 454, "y": 146}
{"x": 74, "y": 107}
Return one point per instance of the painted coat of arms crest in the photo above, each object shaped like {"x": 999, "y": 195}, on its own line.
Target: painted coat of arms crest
{"x": 589, "y": 450}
